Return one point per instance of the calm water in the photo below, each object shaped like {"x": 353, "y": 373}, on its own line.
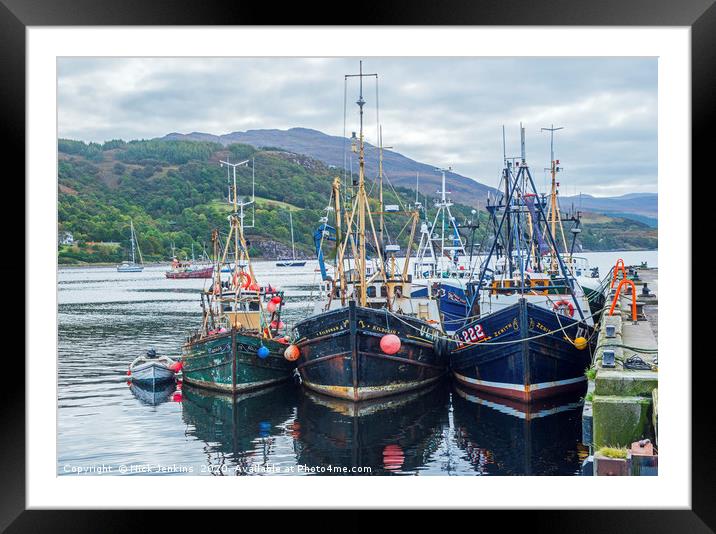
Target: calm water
{"x": 106, "y": 426}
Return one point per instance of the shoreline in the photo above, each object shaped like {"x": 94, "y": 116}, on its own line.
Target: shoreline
{"x": 168, "y": 263}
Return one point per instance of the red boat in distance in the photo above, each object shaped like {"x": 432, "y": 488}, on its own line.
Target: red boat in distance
{"x": 187, "y": 270}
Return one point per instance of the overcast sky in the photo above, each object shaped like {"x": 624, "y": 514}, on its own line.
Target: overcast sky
{"x": 440, "y": 111}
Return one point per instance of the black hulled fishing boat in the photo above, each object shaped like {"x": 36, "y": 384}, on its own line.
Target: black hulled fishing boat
{"x": 531, "y": 335}
{"x": 368, "y": 338}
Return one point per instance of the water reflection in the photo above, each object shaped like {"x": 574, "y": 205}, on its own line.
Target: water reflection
{"x": 240, "y": 432}
{"x": 392, "y": 435}
{"x": 154, "y": 393}
{"x": 503, "y": 437}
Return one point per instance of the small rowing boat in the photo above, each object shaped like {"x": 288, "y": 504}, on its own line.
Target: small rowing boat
{"x": 153, "y": 369}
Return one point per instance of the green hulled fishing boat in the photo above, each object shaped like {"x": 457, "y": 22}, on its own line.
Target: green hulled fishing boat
{"x": 239, "y": 346}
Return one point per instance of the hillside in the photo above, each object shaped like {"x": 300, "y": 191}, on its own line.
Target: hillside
{"x": 175, "y": 192}
{"x": 401, "y": 170}
{"x": 642, "y": 207}
{"x": 331, "y": 150}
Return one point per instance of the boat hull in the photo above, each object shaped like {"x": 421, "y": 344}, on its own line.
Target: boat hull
{"x": 152, "y": 373}
{"x": 130, "y": 269}
{"x": 340, "y": 353}
{"x": 290, "y": 263}
{"x": 198, "y": 273}
{"x": 519, "y": 355}
{"x": 229, "y": 362}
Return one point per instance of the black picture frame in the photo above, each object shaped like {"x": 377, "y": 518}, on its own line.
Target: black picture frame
{"x": 699, "y": 15}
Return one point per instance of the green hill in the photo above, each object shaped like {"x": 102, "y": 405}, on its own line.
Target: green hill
{"x": 175, "y": 192}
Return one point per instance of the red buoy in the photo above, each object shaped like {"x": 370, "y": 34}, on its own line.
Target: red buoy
{"x": 390, "y": 343}
{"x": 393, "y": 457}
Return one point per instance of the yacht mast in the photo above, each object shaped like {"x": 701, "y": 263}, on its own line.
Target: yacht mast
{"x": 293, "y": 247}
{"x": 131, "y": 237}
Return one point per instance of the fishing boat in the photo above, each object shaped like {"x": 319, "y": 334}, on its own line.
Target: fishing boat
{"x": 442, "y": 265}
{"x": 368, "y": 337}
{"x": 131, "y": 266}
{"x": 239, "y": 346}
{"x": 533, "y": 332}
{"x": 293, "y": 262}
{"x": 190, "y": 268}
{"x": 153, "y": 369}
{"x": 182, "y": 270}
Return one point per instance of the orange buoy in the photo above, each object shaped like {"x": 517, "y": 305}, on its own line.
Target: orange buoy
{"x": 292, "y": 353}
{"x": 390, "y": 343}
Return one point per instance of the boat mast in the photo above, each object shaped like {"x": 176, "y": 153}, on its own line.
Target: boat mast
{"x": 380, "y": 180}
{"x": 293, "y": 247}
{"x": 554, "y": 215}
{"x": 131, "y": 237}
{"x": 361, "y": 206}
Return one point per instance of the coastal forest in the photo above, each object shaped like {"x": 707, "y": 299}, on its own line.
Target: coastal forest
{"x": 176, "y": 192}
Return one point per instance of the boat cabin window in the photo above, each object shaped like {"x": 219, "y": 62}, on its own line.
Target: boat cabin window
{"x": 383, "y": 291}
{"x": 398, "y": 291}
{"x": 370, "y": 291}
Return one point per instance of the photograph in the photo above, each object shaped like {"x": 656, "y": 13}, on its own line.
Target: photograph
{"x": 358, "y": 265}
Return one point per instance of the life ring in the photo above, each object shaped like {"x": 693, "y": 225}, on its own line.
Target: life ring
{"x": 562, "y": 305}
{"x": 241, "y": 275}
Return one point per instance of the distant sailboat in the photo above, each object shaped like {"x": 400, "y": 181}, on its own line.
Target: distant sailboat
{"x": 132, "y": 266}
{"x": 291, "y": 262}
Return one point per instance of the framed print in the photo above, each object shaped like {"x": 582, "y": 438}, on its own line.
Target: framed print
{"x": 409, "y": 263}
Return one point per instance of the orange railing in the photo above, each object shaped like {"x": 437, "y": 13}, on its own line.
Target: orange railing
{"x": 633, "y": 298}
{"x": 619, "y": 267}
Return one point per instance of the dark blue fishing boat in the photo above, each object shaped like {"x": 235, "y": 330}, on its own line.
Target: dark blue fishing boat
{"x": 534, "y": 333}
{"x": 525, "y": 354}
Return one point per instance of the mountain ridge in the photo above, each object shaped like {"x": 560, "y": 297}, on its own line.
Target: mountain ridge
{"x": 402, "y": 170}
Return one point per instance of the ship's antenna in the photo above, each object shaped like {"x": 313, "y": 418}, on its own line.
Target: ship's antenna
{"x": 504, "y": 145}
{"x": 553, "y": 211}
{"x": 238, "y": 207}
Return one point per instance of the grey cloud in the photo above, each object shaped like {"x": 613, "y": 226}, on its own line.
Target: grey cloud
{"x": 443, "y": 111}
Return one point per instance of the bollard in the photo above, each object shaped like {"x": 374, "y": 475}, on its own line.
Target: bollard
{"x": 608, "y": 358}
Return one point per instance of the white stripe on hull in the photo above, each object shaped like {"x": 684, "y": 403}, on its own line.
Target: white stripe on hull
{"x": 520, "y": 387}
